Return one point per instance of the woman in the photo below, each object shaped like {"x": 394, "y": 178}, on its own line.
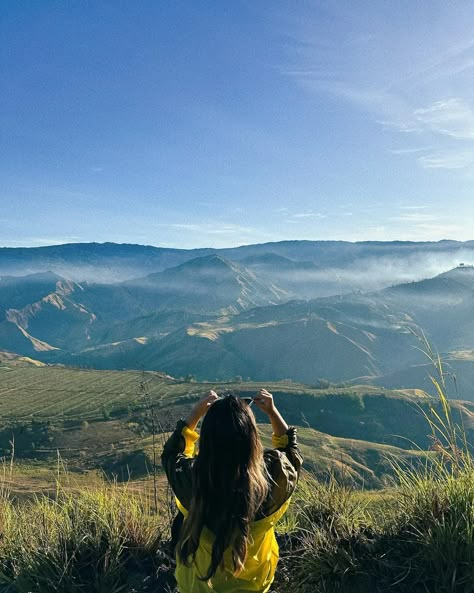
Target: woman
{"x": 231, "y": 494}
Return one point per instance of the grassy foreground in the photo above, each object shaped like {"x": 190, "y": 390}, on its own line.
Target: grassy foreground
{"x": 103, "y": 538}
{"x": 416, "y": 537}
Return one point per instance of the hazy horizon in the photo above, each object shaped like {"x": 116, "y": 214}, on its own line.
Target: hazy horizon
{"x": 228, "y": 246}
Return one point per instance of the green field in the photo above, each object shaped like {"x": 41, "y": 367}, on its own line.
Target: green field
{"x": 52, "y": 392}
{"x": 55, "y": 392}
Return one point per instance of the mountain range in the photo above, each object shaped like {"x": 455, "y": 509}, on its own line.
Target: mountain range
{"x": 307, "y": 269}
{"x": 214, "y": 318}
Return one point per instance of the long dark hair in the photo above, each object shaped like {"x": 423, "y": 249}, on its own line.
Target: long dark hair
{"x": 229, "y": 484}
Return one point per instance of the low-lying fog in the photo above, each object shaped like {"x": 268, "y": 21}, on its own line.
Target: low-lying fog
{"x": 366, "y": 273}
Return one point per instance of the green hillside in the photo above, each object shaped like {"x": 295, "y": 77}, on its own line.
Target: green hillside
{"x": 103, "y": 419}
{"x": 353, "y": 411}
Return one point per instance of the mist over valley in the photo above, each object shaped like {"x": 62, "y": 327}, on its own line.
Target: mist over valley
{"x": 291, "y": 310}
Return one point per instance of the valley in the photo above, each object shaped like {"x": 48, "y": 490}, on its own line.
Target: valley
{"x": 92, "y": 369}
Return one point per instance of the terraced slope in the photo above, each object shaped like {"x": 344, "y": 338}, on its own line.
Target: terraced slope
{"x": 102, "y": 419}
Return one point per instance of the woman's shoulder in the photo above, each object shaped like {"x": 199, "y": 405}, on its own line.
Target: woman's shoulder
{"x": 278, "y": 462}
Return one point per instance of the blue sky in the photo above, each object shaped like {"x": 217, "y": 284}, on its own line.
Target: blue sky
{"x": 205, "y": 123}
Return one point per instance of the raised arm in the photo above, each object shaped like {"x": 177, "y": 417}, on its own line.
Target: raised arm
{"x": 283, "y": 437}
{"x": 178, "y": 451}
{"x": 200, "y": 408}
{"x": 285, "y": 459}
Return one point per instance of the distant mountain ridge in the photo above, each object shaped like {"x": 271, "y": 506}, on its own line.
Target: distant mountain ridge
{"x": 96, "y": 262}
{"x": 308, "y": 269}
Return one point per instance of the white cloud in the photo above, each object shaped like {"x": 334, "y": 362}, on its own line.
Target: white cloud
{"x": 453, "y": 117}
{"x": 463, "y": 159}
{"x": 210, "y": 228}
{"x": 309, "y": 214}
{"x": 455, "y": 59}
{"x": 42, "y": 241}
{"x": 403, "y": 151}
{"x": 388, "y": 109}
{"x": 415, "y": 217}
{"x": 430, "y": 230}
{"x": 208, "y": 233}
{"x": 305, "y": 217}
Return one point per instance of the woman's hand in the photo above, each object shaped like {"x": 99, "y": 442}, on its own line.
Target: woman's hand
{"x": 205, "y": 402}
{"x": 264, "y": 401}
{"x": 200, "y": 408}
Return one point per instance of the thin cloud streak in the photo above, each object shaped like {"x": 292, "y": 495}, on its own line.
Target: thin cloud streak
{"x": 308, "y": 215}
{"x": 409, "y": 151}
{"x": 391, "y": 74}
{"x": 448, "y": 160}
{"x": 415, "y": 217}
{"x": 452, "y": 117}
